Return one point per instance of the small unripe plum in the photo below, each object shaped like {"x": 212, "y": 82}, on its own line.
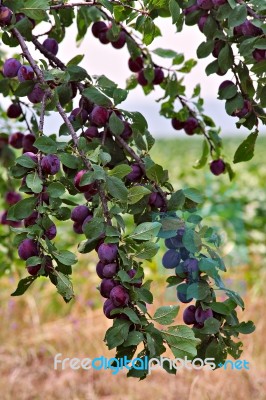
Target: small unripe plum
{"x": 177, "y": 124}
{"x": 50, "y": 164}
{"x": 28, "y": 248}
{"x": 110, "y": 270}
{"x": 79, "y": 114}
{"x": 25, "y": 73}
{"x": 36, "y": 95}
{"x": 135, "y": 65}
{"x": 119, "y": 296}
{"x": 217, "y": 167}
{"x": 91, "y": 133}
{"x": 80, "y": 213}
{"x": 50, "y": 233}
{"x": 98, "y": 27}
{"x": 14, "y": 111}
{"x": 106, "y": 287}
{"x": 5, "y": 15}
{"x": 156, "y": 200}
{"x": 136, "y": 174}
{"x": 107, "y": 308}
{"x": 120, "y": 42}
{"x": 205, "y": 4}
{"x": 31, "y": 220}
{"x": 51, "y": 45}
{"x": 12, "y": 198}
{"x": 171, "y": 259}
{"x": 158, "y": 76}
{"x": 27, "y": 143}
{"x": 15, "y": 140}
{"x": 31, "y": 155}
{"x": 77, "y": 228}
{"x": 99, "y": 269}
{"x": 191, "y": 125}
{"x": 183, "y": 297}
{"x": 127, "y": 132}
{"x": 189, "y": 315}
{"x": 259, "y": 54}
{"x": 107, "y": 252}
{"x": 202, "y": 21}
{"x": 11, "y": 67}
{"x": 201, "y": 315}
{"x": 99, "y": 116}
{"x": 141, "y": 78}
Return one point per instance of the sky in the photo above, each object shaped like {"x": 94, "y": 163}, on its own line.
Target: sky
{"x": 104, "y": 59}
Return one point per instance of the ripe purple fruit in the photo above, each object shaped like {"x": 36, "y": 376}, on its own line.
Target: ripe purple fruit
{"x": 201, "y": 315}
{"x": 51, "y": 45}
{"x": 77, "y": 228}
{"x": 11, "y": 67}
{"x": 98, "y": 27}
{"x": 99, "y": 269}
{"x": 189, "y": 315}
{"x": 218, "y": 45}
{"x": 119, "y": 296}
{"x": 15, "y": 140}
{"x": 225, "y": 84}
{"x": 244, "y": 110}
{"x": 36, "y": 95}
{"x": 156, "y": 200}
{"x": 50, "y": 233}
{"x": 259, "y": 55}
{"x": 131, "y": 273}
{"x": 202, "y": 21}
{"x": 80, "y": 213}
{"x": 191, "y": 267}
{"x": 205, "y": 4}
{"x": 31, "y": 155}
{"x": 103, "y": 37}
{"x": 158, "y": 76}
{"x": 91, "y": 133}
{"x": 177, "y": 124}
{"x": 136, "y": 173}
{"x": 107, "y": 286}
{"x": 25, "y": 73}
{"x": 27, "y": 143}
{"x": 182, "y": 296}
{"x": 171, "y": 259}
{"x": 191, "y": 125}
{"x": 107, "y": 252}
{"x": 34, "y": 269}
{"x": 217, "y": 3}
{"x": 184, "y": 253}
{"x": 77, "y": 180}
{"x": 92, "y": 191}
{"x": 50, "y": 164}
{"x": 5, "y": 221}
{"x": 217, "y": 167}
{"x": 86, "y": 220}
{"x": 5, "y": 15}
{"x": 12, "y": 198}
{"x": 31, "y": 220}
{"x": 28, "y": 248}
{"x": 135, "y": 65}
{"x": 247, "y": 29}
{"x": 127, "y": 132}
{"x": 191, "y": 9}
{"x": 14, "y": 111}
{"x": 110, "y": 270}
{"x": 120, "y": 42}
{"x": 141, "y": 78}
{"x": 99, "y": 116}
{"x": 107, "y": 308}
{"x": 79, "y": 114}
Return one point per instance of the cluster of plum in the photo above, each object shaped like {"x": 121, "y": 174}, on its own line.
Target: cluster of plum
{"x": 117, "y": 295}
{"x": 100, "y": 30}
{"x": 31, "y": 248}
{"x": 12, "y": 68}
{"x": 187, "y": 269}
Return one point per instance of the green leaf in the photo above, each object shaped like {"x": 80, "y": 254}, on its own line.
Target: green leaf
{"x": 36, "y": 9}
{"x": 165, "y": 53}
{"x": 94, "y": 228}
{"x": 46, "y": 145}
{"x": 174, "y": 10}
{"x": 132, "y": 315}
{"x": 176, "y": 201}
{"x": 220, "y": 308}
{"x": 22, "y": 209}
{"x": 65, "y": 257}
{"x": 76, "y": 73}
{"x": 34, "y": 182}
{"x": 146, "y": 231}
{"x": 120, "y": 171}
{"x": 23, "y": 285}
{"x": 191, "y": 240}
{"x": 136, "y": 193}
{"x": 56, "y": 190}
{"x": 116, "y": 188}
{"x": 193, "y": 195}
{"x": 97, "y": 97}
{"x": 245, "y": 327}
{"x": 69, "y": 160}
{"x": 181, "y": 341}
{"x": 156, "y": 173}
{"x": 134, "y": 338}
{"x": 26, "y": 162}
{"x": 205, "y": 49}
{"x": 115, "y": 124}
{"x": 24, "y": 88}
{"x": 198, "y": 290}
{"x": 64, "y": 286}
{"x": 237, "y": 16}
{"x": 245, "y": 151}
{"x": 75, "y": 60}
{"x": 146, "y": 251}
{"x": 117, "y": 334}
{"x": 165, "y": 315}
{"x": 211, "y": 326}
